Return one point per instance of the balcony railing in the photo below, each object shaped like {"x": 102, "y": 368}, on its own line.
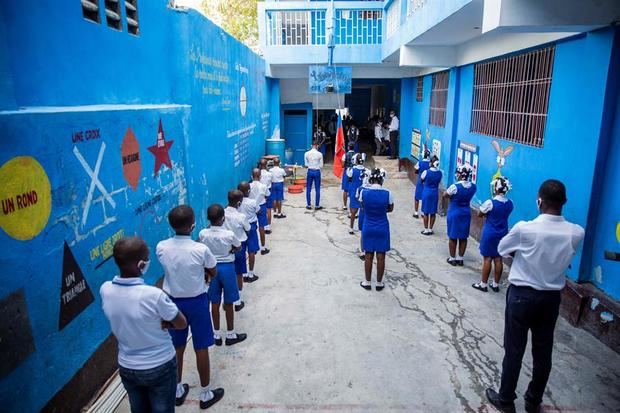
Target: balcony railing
{"x": 357, "y": 26}
{"x": 295, "y": 27}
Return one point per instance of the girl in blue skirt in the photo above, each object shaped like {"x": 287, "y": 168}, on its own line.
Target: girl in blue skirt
{"x": 347, "y": 162}
{"x": 459, "y": 217}
{"x": 430, "y": 194}
{"x": 360, "y": 219}
{"x": 355, "y": 174}
{"x": 497, "y": 211}
{"x": 420, "y": 167}
{"x": 377, "y": 202}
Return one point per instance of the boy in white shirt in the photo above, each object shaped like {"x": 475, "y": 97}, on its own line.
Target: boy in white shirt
{"x": 277, "y": 188}
{"x": 238, "y": 223}
{"x": 259, "y": 193}
{"x": 138, "y": 315}
{"x": 186, "y": 263}
{"x": 266, "y": 178}
{"x": 250, "y": 209}
{"x": 223, "y": 244}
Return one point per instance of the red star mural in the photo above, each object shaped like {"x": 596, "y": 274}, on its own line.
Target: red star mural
{"x": 160, "y": 150}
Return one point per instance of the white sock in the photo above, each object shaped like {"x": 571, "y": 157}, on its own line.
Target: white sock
{"x": 238, "y": 302}
{"x": 217, "y": 334}
{"x": 494, "y": 284}
{"x": 459, "y": 258}
{"x": 482, "y": 284}
{"x": 365, "y": 283}
{"x": 380, "y": 284}
{"x": 231, "y": 334}
{"x": 180, "y": 390}
{"x": 451, "y": 258}
{"x": 206, "y": 394}
{"x": 268, "y": 227}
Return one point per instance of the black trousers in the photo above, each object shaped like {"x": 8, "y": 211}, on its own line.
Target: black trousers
{"x": 394, "y": 143}
{"x": 532, "y": 310}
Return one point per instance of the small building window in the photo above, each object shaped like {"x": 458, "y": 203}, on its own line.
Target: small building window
{"x": 90, "y": 10}
{"x": 113, "y": 14}
{"x": 439, "y": 99}
{"x": 419, "y": 90}
{"x": 131, "y": 12}
{"x": 511, "y": 96}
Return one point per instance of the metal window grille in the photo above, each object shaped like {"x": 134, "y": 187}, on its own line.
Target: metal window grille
{"x": 393, "y": 18}
{"x": 414, "y": 5}
{"x": 131, "y": 11}
{"x": 511, "y": 97}
{"x": 292, "y": 28}
{"x": 90, "y": 10}
{"x": 358, "y": 26}
{"x": 419, "y": 90}
{"x": 439, "y": 99}
{"x": 113, "y": 14}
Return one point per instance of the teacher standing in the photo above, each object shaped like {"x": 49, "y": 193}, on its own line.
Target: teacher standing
{"x": 394, "y": 126}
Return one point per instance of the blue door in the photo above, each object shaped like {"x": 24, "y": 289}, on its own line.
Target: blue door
{"x": 295, "y": 123}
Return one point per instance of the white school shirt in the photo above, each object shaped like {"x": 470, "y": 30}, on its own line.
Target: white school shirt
{"x": 135, "y": 311}
{"x": 184, "y": 261}
{"x": 487, "y": 205}
{"x": 259, "y": 192}
{"x": 277, "y": 174}
{"x": 378, "y": 132}
{"x": 313, "y": 159}
{"x": 394, "y": 124}
{"x": 249, "y": 208}
{"x": 236, "y": 222}
{"x": 544, "y": 249}
{"x": 453, "y": 189}
{"x": 220, "y": 241}
{"x": 266, "y": 178}
{"x": 350, "y": 170}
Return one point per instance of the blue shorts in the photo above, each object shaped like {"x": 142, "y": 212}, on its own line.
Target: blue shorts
{"x": 240, "y": 261}
{"x": 196, "y": 311}
{"x": 224, "y": 282}
{"x": 277, "y": 191}
{"x": 252, "y": 242}
{"x": 269, "y": 199}
{"x": 262, "y": 216}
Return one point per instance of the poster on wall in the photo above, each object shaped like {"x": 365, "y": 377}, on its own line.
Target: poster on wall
{"x": 467, "y": 153}
{"x": 329, "y": 79}
{"x": 416, "y": 139}
{"x": 436, "y": 148}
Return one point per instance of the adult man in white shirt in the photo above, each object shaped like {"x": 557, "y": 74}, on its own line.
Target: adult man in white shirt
{"x": 259, "y": 192}
{"x": 394, "y": 127}
{"x": 138, "y": 315}
{"x": 542, "y": 251}
{"x": 313, "y": 160}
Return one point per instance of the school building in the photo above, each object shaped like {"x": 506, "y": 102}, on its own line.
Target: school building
{"x": 113, "y": 112}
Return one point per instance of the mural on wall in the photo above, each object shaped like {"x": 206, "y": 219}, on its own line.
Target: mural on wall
{"x": 75, "y": 294}
{"x": 25, "y": 195}
{"x": 161, "y": 150}
{"x": 416, "y": 142}
{"x": 467, "y": 153}
{"x": 502, "y": 154}
{"x": 329, "y": 79}
{"x": 130, "y": 156}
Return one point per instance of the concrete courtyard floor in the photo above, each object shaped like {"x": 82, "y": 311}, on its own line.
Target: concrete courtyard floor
{"x": 427, "y": 343}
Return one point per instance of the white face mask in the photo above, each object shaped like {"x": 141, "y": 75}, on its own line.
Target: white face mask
{"x": 144, "y": 266}
{"x": 538, "y": 203}
{"x": 193, "y": 227}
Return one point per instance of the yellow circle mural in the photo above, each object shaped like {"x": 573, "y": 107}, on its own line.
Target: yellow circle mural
{"x": 25, "y": 198}
{"x": 618, "y": 231}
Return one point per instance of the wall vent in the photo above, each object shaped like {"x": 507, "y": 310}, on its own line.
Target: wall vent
{"x": 90, "y": 10}
{"x": 113, "y": 14}
{"x": 131, "y": 12}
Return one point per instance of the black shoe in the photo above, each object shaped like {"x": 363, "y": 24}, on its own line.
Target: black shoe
{"x": 250, "y": 279}
{"x": 415, "y": 215}
{"x": 240, "y": 306}
{"x": 240, "y": 337}
{"x": 380, "y": 287}
{"x": 267, "y": 231}
{"x": 496, "y": 289}
{"x": 180, "y": 400}
{"x": 308, "y": 207}
{"x": 480, "y": 288}
{"x": 494, "y": 398}
{"x": 451, "y": 262}
{"x": 318, "y": 208}
{"x": 532, "y": 408}
{"x": 459, "y": 263}
{"x": 282, "y": 216}
{"x": 218, "y": 394}
{"x": 365, "y": 287}
{"x": 218, "y": 341}
{"x": 264, "y": 252}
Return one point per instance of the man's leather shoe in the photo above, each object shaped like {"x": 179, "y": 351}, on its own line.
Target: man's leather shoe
{"x": 503, "y": 406}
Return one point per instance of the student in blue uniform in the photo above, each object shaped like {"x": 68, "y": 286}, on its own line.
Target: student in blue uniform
{"x": 277, "y": 188}
{"x": 430, "y": 194}
{"x": 250, "y": 209}
{"x": 459, "y": 216}
{"x": 355, "y": 181}
{"x": 266, "y": 178}
{"x": 360, "y": 219}
{"x": 347, "y": 162}
{"x": 420, "y": 167}
{"x": 377, "y": 203}
{"x": 497, "y": 211}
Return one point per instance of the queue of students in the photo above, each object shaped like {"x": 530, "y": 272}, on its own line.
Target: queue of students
{"x": 200, "y": 276}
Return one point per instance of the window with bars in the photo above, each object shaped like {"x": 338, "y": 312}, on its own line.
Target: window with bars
{"x": 292, "y": 28}
{"x": 419, "y": 89}
{"x": 358, "y": 26}
{"x": 113, "y": 14}
{"x": 439, "y": 99}
{"x": 131, "y": 11}
{"x": 511, "y": 96}
{"x": 90, "y": 10}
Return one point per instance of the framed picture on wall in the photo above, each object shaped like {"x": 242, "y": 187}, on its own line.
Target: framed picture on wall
{"x": 416, "y": 139}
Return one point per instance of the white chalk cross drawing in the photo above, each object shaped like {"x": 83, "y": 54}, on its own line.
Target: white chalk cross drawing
{"x": 95, "y": 182}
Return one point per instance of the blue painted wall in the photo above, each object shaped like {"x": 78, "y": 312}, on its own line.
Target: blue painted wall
{"x": 574, "y": 125}
{"x": 182, "y": 70}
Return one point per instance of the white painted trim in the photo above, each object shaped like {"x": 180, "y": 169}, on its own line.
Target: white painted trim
{"x": 88, "y": 108}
